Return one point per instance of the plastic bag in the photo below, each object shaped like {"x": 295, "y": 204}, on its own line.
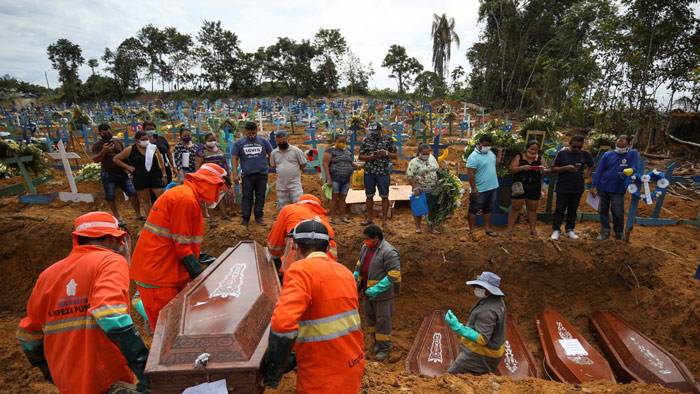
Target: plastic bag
{"x": 419, "y": 205}
{"x": 357, "y": 181}
{"x": 327, "y": 190}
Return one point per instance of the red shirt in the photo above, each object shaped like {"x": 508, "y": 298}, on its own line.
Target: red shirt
{"x": 365, "y": 266}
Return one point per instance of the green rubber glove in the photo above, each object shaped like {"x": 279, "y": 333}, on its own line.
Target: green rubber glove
{"x": 356, "y": 275}
{"x": 380, "y": 287}
{"x": 460, "y": 328}
{"x": 192, "y": 265}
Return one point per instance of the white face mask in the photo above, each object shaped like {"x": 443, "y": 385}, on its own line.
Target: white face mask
{"x": 622, "y": 151}
{"x": 144, "y": 143}
{"x": 479, "y": 292}
{"x": 424, "y": 157}
{"x": 485, "y": 149}
{"x": 211, "y": 144}
{"x": 212, "y": 206}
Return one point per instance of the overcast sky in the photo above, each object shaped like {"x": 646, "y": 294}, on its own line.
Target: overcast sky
{"x": 370, "y": 27}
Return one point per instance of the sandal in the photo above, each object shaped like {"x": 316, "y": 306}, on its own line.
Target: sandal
{"x": 366, "y": 222}
{"x": 213, "y": 223}
{"x": 227, "y": 218}
{"x": 491, "y": 234}
{"x": 434, "y": 231}
{"x": 346, "y": 220}
{"x": 141, "y": 218}
{"x": 534, "y": 233}
{"x": 419, "y": 231}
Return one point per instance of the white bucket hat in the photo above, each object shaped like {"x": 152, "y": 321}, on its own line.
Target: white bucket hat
{"x": 489, "y": 281}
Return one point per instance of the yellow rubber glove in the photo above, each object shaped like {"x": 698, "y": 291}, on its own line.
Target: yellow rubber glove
{"x": 628, "y": 171}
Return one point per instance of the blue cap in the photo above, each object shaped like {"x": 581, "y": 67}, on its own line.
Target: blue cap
{"x": 489, "y": 281}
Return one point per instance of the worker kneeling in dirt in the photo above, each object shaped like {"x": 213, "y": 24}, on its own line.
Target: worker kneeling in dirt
{"x": 166, "y": 256}
{"x": 484, "y": 337}
{"x": 317, "y": 310}
{"x": 78, "y": 330}
{"x": 378, "y": 276}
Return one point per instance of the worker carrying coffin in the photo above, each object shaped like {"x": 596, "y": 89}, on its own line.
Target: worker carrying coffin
{"x": 483, "y": 338}
{"x": 308, "y": 207}
{"x": 317, "y": 315}
{"x": 166, "y": 256}
{"x": 78, "y": 330}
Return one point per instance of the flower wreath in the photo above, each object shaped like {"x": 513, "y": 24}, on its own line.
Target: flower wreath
{"x": 638, "y": 185}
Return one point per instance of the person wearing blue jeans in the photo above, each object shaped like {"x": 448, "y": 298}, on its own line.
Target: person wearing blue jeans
{"x": 254, "y": 154}
{"x": 483, "y": 182}
{"x": 377, "y": 151}
{"x": 609, "y": 186}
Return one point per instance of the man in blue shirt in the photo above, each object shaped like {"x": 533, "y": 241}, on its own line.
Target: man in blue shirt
{"x": 570, "y": 164}
{"x": 609, "y": 186}
{"x": 483, "y": 182}
{"x": 254, "y": 154}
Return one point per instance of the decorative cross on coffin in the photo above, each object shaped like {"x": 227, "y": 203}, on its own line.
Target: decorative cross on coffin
{"x": 73, "y": 195}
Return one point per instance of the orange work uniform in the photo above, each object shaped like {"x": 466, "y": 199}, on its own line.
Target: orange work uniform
{"x": 73, "y": 301}
{"x": 308, "y": 207}
{"x": 174, "y": 229}
{"x": 319, "y": 305}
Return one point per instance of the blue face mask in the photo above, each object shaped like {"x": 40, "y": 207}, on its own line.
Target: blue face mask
{"x": 424, "y": 157}
{"x": 186, "y": 139}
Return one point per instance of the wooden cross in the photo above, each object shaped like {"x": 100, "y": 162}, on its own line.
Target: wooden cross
{"x": 353, "y": 137}
{"x": 482, "y": 117}
{"x": 20, "y": 160}
{"x": 73, "y": 195}
{"x": 311, "y": 131}
{"x": 398, "y": 128}
{"x": 437, "y": 146}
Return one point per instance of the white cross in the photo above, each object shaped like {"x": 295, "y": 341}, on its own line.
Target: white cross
{"x": 73, "y": 195}
{"x": 260, "y": 120}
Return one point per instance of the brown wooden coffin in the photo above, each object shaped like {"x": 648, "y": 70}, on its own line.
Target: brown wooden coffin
{"x": 568, "y": 356}
{"x": 435, "y": 348}
{"x": 225, "y": 312}
{"x": 634, "y": 356}
{"x": 518, "y": 361}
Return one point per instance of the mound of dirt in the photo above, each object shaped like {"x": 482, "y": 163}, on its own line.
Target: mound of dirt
{"x": 648, "y": 282}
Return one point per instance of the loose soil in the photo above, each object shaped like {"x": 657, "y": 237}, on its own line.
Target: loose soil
{"x": 648, "y": 281}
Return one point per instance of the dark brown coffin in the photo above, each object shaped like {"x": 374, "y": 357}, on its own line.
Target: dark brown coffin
{"x": 435, "y": 348}
{"x": 636, "y": 357}
{"x": 225, "y": 312}
{"x": 574, "y": 366}
{"x": 518, "y": 361}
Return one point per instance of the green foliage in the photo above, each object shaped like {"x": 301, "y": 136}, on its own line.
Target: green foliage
{"x": 331, "y": 45}
{"x": 218, "y": 51}
{"x": 443, "y": 34}
{"x": 403, "y": 68}
{"x": 601, "y": 139}
{"x": 9, "y": 148}
{"x": 11, "y": 83}
{"x": 89, "y": 172}
{"x": 65, "y": 58}
{"x": 449, "y": 192}
{"x": 540, "y": 123}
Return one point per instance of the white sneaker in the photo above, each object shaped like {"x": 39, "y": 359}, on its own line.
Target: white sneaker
{"x": 571, "y": 234}
{"x": 555, "y": 234}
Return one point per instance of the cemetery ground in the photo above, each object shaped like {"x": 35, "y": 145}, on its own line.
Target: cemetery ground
{"x": 648, "y": 281}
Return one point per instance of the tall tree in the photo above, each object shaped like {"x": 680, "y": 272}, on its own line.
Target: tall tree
{"x": 443, "y": 34}
{"x": 154, "y": 44}
{"x": 218, "y": 51}
{"x": 403, "y": 67}
{"x": 65, "y": 58}
{"x": 181, "y": 56}
{"x": 331, "y": 45}
{"x": 92, "y": 63}
{"x": 356, "y": 73}
{"x": 125, "y": 63}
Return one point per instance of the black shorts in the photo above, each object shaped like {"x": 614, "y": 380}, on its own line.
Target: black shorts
{"x": 531, "y": 193}
{"x": 148, "y": 180}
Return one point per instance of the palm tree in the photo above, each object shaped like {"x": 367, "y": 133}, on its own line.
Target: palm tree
{"x": 443, "y": 33}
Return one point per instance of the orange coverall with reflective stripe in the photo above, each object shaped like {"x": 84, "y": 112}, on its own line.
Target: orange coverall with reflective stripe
{"x": 319, "y": 305}
{"x": 173, "y": 230}
{"x": 288, "y": 218}
{"x": 71, "y": 300}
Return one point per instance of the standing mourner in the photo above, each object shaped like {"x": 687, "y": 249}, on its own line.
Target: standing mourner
{"x": 378, "y": 276}
{"x": 569, "y": 164}
{"x": 147, "y": 168}
{"x": 253, "y": 152}
{"x": 317, "y": 314}
{"x": 483, "y": 182}
{"x": 212, "y": 153}
{"x": 78, "y": 330}
{"x": 289, "y": 161}
{"x": 103, "y": 152}
{"x": 339, "y": 164}
{"x": 610, "y": 187}
{"x": 423, "y": 177}
{"x": 527, "y": 168}
{"x": 376, "y": 151}
{"x": 163, "y": 147}
{"x": 166, "y": 256}
{"x": 483, "y": 338}
{"x": 185, "y": 152}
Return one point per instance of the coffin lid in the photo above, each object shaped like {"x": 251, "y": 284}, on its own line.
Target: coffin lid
{"x": 435, "y": 348}
{"x": 518, "y": 361}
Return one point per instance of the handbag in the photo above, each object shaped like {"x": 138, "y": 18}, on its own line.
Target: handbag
{"x": 517, "y": 189}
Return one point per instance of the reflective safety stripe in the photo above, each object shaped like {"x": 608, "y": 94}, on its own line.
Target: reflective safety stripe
{"x": 187, "y": 239}
{"x": 334, "y": 252}
{"x": 372, "y": 328}
{"x": 382, "y": 337}
{"x": 371, "y": 283}
{"x": 483, "y": 350}
{"x": 481, "y": 341}
{"x": 292, "y": 334}
{"x": 26, "y": 336}
{"x": 157, "y": 230}
{"x": 357, "y": 264}
{"x": 109, "y": 311}
{"x": 275, "y": 248}
{"x": 396, "y": 275}
{"x": 76, "y": 323}
{"x": 328, "y": 328}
